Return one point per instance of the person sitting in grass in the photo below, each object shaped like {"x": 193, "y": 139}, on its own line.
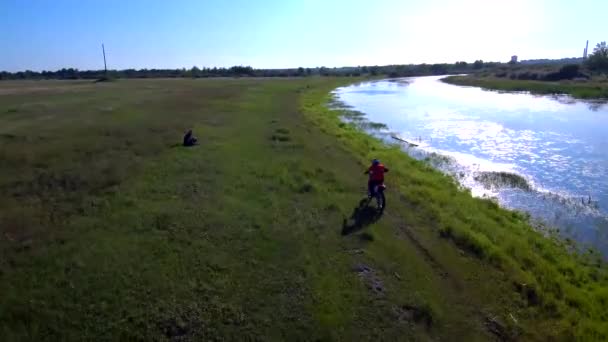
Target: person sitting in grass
{"x": 189, "y": 139}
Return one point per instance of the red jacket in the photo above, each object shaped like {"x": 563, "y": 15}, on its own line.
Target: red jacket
{"x": 376, "y": 172}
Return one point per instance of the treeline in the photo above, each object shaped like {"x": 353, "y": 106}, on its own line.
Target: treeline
{"x": 546, "y": 61}
{"x": 543, "y": 73}
{"x": 247, "y": 71}
{"x": 596, "y": 63}
{"x": 583, "y": 69}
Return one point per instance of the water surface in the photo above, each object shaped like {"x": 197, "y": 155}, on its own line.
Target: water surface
{"x": 546, "y": 155}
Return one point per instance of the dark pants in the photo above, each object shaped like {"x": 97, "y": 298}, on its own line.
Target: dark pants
{"x": 371, "y": 184}
{"x": 190, "y": 142}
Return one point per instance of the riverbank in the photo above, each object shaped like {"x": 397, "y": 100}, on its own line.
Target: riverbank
{"x": 470, "y": 134}
{"x": 111, "y": 231}
{"x": 544, "y": 263}
{"x": 576, "y": 89}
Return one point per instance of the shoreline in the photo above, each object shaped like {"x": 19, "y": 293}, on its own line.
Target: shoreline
{"x": 578, "y": 90}
{"x": 497, "y": 184}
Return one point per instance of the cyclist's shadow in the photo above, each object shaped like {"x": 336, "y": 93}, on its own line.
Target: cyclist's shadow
{"x": 363, "y": 215}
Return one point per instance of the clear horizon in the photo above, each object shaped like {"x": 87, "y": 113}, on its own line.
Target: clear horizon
{"x": 50, "y": 35}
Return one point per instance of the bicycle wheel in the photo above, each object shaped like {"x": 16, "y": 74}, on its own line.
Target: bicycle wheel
{"x": 381, "y": 200}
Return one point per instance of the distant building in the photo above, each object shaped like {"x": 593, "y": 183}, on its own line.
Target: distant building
{"x": 513, "y": 59}
{"x": 586, "y": 50}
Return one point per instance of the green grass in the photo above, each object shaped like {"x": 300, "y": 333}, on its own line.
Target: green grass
{"x": 108, "y": 230}
{"x": 577, "y": 89}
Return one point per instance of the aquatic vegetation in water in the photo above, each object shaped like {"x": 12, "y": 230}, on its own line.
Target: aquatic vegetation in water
{"x": 501, "y": 179}
{"x": 353, "y": 115}
{"x": 439, "y": 160}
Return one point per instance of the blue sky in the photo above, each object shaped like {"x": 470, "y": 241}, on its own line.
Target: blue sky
{"x": 51, "y": 34}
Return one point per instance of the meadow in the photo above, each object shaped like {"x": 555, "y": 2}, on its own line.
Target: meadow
{"x": 109, "y": 229}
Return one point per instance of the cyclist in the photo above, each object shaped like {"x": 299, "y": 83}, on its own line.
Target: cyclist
{"x": 376, "y": 176}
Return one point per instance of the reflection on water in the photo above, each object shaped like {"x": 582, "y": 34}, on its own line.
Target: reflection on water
{"x": 557, "y": 145}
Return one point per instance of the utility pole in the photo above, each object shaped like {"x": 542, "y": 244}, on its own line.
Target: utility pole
{"x": 105, "y": 67}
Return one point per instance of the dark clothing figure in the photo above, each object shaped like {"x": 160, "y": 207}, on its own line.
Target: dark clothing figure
{"x": 189, "y": 139}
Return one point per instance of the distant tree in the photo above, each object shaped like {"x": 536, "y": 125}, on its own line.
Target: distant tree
{"x": 195, "y": 71}
{"x": 478, "y": 64}
{"x": 569, "y": 71}
{"x": 129, "y": 73}
{"x": 300, "y": 71}
{"x": 598, "y": 61}
{"x": 439, "y": 69}
{"x": 238, "y": 70}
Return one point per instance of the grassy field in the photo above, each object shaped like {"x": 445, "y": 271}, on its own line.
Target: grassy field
{"x": 577, "y": 89}
{"x": 109, "y": 230}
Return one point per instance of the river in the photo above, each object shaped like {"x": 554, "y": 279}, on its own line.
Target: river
{"x": 546, "y": 155}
